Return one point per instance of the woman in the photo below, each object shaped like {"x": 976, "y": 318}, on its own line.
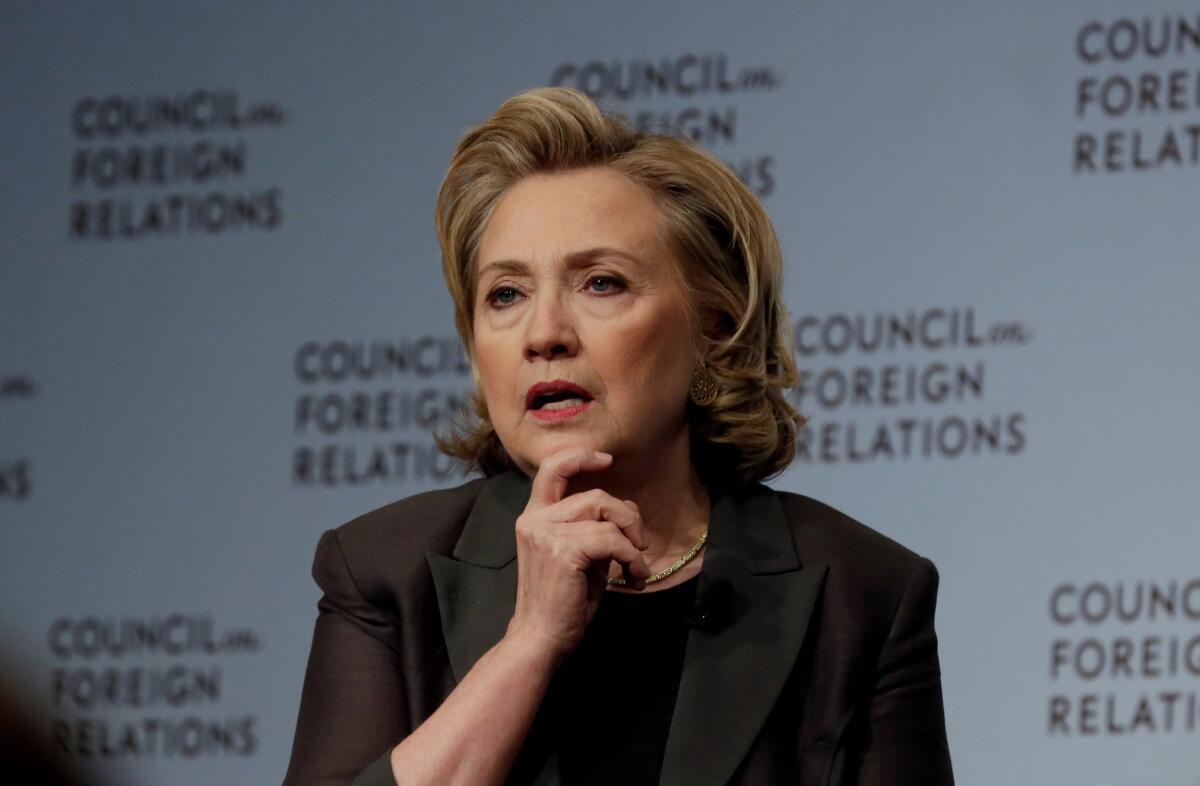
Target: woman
{"x": 619, "y": 599}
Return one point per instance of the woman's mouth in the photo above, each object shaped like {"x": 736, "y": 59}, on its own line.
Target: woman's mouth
{"x": 565, "y": 403}
{"x": 557, "y": 400}
{"x": 561, "y": 410}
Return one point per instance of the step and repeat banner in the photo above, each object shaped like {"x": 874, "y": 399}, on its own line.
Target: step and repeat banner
{"x": 225, "y": 331}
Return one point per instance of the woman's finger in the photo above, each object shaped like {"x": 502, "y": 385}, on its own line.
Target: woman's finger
{"x": 596, "y": 541}
{"x": 600, "y": 505}
{"x": 550, "y": 482}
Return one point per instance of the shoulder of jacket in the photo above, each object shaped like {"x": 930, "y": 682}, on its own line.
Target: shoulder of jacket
{"x": 409, "y": 527}
{"x": 854, "y": 551}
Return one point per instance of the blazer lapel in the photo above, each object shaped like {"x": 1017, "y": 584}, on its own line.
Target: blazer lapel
{"x": 477, "y": 588}
{"x": 732, "y": 677}
{"x": 476, "y": 595}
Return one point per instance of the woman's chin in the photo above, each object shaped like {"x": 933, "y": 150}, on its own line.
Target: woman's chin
{"x": 555, "y": 443}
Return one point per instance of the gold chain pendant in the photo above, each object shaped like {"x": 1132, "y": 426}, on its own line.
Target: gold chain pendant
{"x": 619, "y": 581}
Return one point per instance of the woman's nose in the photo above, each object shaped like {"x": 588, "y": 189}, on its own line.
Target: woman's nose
{"x": 551, "y": 330}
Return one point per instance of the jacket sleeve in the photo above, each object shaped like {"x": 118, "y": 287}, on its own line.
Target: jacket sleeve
{"x": 352, "y": 709}
{"x": 900, "y": 738}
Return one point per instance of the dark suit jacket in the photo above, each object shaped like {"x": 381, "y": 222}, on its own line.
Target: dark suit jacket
{"x": 826, "y": 672}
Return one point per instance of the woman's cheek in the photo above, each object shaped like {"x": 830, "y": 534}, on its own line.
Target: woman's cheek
{"x": 496, "y": 385}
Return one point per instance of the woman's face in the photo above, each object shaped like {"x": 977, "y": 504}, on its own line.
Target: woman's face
{"x": 581, "y": 334}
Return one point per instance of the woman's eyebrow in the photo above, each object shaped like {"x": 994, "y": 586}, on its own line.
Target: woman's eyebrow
{"x": 574, "y": 259}
{"x": 579, "y": 258}
{"x": 501, "y": 266}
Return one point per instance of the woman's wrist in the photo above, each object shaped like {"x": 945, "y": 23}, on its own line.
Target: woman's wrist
{"x": 470, "y": 738}
{"x": 536, "y": 653}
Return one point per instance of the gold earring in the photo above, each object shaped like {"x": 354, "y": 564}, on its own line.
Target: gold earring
{"x": 703, "y": 390}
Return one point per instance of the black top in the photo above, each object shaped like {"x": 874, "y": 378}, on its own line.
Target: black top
{"x": 619, "y": 687}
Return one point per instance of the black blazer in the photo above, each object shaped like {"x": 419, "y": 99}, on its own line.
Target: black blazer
{"x": 826, "y": 673}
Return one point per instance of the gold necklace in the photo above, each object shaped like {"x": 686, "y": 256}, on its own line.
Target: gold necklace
{"x": 679, "y": 563}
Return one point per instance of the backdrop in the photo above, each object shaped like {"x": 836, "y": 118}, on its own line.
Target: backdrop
{"x": 225, "y": 330}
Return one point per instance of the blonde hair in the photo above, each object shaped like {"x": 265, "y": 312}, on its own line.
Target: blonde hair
{"x": 721, "y": 237}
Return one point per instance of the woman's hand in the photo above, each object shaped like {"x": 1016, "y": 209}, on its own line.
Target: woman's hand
{"x": 564, "y": 547}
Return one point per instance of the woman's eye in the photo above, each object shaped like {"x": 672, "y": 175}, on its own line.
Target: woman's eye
{"x": 502, "y": 296}
{"x": 603, "y": 284}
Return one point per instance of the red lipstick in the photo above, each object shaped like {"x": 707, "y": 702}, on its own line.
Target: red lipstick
{"x": 546, "y": 401}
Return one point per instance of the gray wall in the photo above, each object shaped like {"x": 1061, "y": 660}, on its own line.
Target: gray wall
{"x": 176, "y": 337}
